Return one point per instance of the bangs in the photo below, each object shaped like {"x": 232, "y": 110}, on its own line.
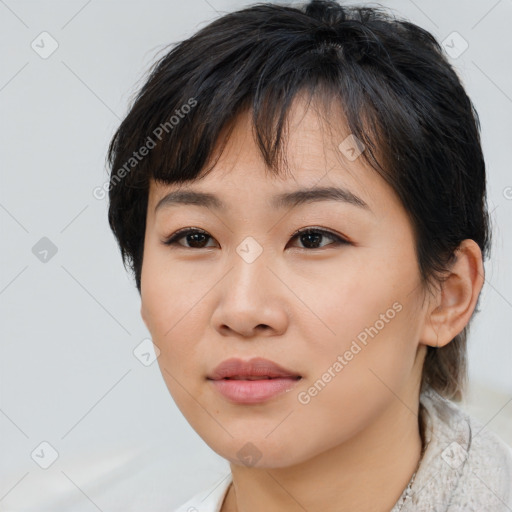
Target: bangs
{"x": 185, "y": 109}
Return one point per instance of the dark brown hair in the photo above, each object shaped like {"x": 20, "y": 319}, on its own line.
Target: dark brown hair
{"x": 399, "y": 95}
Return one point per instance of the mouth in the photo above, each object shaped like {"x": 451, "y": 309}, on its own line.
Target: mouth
{"x": 254, "y": 369}
{"x": 252, "y": 390}
{"x": 252, "y": 382}
{"x": 254, "y": 377}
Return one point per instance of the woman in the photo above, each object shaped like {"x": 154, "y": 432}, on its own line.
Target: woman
{"x": 300, "y": 194}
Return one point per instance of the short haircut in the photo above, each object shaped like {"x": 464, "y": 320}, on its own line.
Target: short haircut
{"x": 397, "y": 93}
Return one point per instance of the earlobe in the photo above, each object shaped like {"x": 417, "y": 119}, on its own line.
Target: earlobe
{"x": 457, "y": 297}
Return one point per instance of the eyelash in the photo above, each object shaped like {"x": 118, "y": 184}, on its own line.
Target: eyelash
{"x": 182, "y": 233}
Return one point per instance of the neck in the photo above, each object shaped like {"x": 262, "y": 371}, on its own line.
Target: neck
{"x": 369, "y": 472}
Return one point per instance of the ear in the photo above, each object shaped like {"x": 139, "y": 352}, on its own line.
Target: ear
{"x": 451, "y": 309}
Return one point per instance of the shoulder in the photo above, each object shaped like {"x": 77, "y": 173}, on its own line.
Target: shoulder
{"x": 474, "y": 463}
{"x": 209, "y": 499}
{"x": 487, "y": 473}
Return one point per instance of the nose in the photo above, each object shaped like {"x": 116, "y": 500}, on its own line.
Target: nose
{"x": 251, "y": 300}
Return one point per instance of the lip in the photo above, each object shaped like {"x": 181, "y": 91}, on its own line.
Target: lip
{"x": 231, "y": 379}
{"x": 255, "y": 367}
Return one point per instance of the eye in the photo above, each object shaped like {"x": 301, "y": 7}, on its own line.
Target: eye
{"x": 310, "y": 237}
{"x": 196, "y": 237}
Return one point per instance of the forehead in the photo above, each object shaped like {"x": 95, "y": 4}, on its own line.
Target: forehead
{"x": 315, "y": 157}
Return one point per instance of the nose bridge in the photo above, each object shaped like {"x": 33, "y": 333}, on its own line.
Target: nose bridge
{"x": 250, "y": 266}
{"x": 250, "y": 250}
{"x": 250, "y": 288}
{"x": 248, "y": 299}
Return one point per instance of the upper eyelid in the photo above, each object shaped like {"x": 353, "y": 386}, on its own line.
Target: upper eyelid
{"x": 316, "y": 228}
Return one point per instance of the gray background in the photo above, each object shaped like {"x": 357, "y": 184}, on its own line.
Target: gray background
{"x": 70, "y": 324}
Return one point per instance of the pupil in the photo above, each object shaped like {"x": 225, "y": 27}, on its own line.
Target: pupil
{"x": 315, "y": 237}
{"x": 192, "y": 242}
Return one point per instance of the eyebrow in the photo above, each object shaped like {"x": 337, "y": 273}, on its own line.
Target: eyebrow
{"x": 286, "y": 199}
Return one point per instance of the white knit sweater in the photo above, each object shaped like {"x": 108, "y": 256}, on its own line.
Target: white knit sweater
{"x": 465, "y": 468}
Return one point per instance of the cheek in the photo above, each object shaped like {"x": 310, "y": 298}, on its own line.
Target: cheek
{"x": 361, "y": 295}
{"x": 369, "y": 337}
{"x": 167, "y": 291}
{"x": 167, "y": 303}
{"x": 175, "y": 327}
{"x": 346, "y": 396}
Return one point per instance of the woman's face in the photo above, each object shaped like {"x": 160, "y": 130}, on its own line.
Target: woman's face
{"x": 344, "y": 316}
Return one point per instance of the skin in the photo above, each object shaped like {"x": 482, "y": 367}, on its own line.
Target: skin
{"x": 301, "y": 307}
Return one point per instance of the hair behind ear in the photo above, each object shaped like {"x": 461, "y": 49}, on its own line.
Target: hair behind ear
{"x": 445, "y": 368}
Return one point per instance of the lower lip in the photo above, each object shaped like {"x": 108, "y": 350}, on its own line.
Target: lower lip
{"x": 253, "y": 391}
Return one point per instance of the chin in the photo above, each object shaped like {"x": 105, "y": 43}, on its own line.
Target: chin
{"x": 260, "y": 453}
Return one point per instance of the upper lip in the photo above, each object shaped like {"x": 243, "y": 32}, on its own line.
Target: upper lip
{"x": 256, "y": 367}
